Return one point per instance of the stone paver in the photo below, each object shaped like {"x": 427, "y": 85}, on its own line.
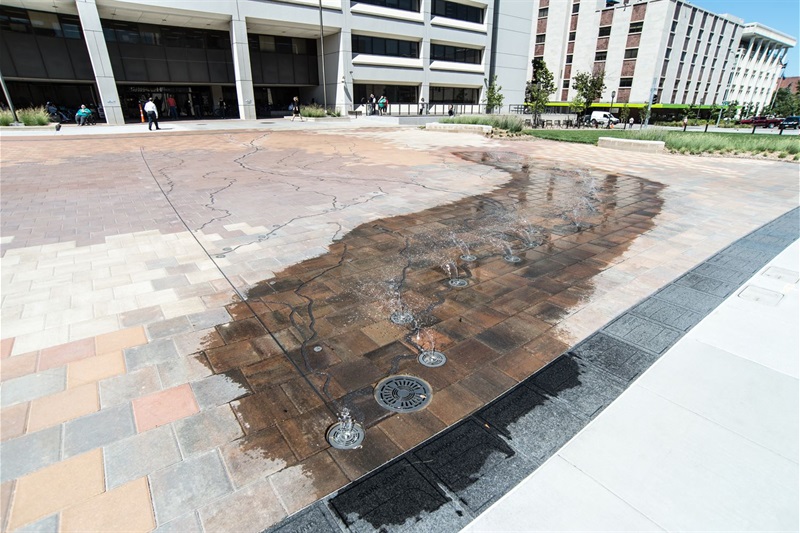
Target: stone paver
{"x": 163, "y": 407}
{"x": 173, "y": 496}
{"x": 103, "y": 286}
{"x": 126, "y": 508}
{"x": 27, "y": 454}
{"x": 98, "y": 429}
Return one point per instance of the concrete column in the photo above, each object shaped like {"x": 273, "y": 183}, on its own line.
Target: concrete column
{"x": 242, "y": 70}
{"x": 101, "y": 62}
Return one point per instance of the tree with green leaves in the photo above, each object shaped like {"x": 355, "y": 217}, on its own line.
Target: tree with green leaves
{"x": 624, "y": 113}
{"x": 494, "y": 98}
{"x": 539, "y": 88}
{"x": 589, "y": 87}
{"x": 730, "y": 111}
{"x": 785, "y": 103}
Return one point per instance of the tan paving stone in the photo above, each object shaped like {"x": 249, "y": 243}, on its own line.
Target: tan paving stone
{"x": 124, "y": 509}
{"x": 19, "y": 365}
{"x": 306, "y": 482}
{"x": 13, "y": 420}
{"x": 119, "y": 340}
{"x": 57, "y": 487}
{"x": 95, "y": 368}
{"x": 63, "y": 406}
{"x": 164, "y": 407}
{"x": 66, "y": 353}
{"x": 248, "y": 510}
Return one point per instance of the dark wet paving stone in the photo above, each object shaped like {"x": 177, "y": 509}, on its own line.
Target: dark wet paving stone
{"x": 395, "y": 498}
{"x": 619, "y": 358}
{"x": 473, "y": 463}
{"x": 315, "y": 519}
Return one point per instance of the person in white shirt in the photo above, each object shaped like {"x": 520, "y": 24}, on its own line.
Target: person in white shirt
{"x": 152, "y": 114}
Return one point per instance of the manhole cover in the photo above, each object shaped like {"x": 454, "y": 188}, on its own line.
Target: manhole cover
{"x": 403, "y": 394}
{"x": 432, "y": 358}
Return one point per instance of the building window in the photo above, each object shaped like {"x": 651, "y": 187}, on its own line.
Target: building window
{"x": 631, "y": 53}
{"x": 569, "y": 59}
{"x": 453, "y": 10}
{"x": 405, "y": 5}
{"x": 605, "y": 31}
{"x": 543, "y": 12}
{"x": 600, "y": 56}
{"x": 571, "y": 36}
{"x": 363, "y": 44}
{"x": 575, "y": 8}
{"x": 454, "y": 95}
{"x": 565, "y": 84}
{"x": 636, "y": 27}
{"x": 456, "y": 54}
{"x": 625, "y": 82}
{"x": 667, "y": 53}
{"x": 674, "y": 25}
{"x": 540, "y": 38}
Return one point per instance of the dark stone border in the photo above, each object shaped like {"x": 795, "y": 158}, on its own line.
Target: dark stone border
{"x": 448, "y": 480}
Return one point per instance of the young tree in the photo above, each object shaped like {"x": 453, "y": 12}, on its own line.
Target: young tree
{"x": 539, "y": 88}
{"x": 494, "y": 98}
{"x": 624, "y": 113}
{"x": 590, "y": 87}
{"x": 785, "y": 104}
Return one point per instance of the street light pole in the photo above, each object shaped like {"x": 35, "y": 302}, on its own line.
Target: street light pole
{"x": 613, "y": 94}
{"x": 322, "y": 51}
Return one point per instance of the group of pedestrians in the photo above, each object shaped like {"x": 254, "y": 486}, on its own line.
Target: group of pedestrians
{"x": 377, "y": 106}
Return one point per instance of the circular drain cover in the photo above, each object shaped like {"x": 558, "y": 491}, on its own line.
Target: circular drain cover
{"x": 469, "y": 257}
{"x": 511, "y": 258}
{"x": 457, "y": 282}
{"x": 342, "y": 439}
{"x": 432, "y": 358}
{"x": 403, "y": 394}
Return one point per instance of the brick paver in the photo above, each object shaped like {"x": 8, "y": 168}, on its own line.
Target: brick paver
{"x": 110, "y": 304}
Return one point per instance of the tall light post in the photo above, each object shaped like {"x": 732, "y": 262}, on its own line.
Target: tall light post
{"x": 322, "y": 51}
{"x": 613, "y": 94}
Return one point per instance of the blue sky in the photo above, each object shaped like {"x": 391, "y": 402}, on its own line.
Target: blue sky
{"x": 781, "y": 15}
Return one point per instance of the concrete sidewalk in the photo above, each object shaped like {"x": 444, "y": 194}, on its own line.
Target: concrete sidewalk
{"x": 705, "y": 440}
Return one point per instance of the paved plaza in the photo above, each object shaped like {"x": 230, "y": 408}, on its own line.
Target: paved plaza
{"x": 186, "y": 313}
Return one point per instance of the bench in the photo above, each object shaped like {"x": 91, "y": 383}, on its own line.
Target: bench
{"x": 631, "y": 145}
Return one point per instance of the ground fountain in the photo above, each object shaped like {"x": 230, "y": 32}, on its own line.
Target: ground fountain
{"x": 451, "y": 269}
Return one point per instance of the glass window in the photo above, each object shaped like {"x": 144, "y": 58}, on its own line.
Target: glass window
{"x": 600, "y": 56}
{"x": 543, "y": 12}
{"x": 605, "y": 31}
{"x": 45, "y": 24}
{"x": 299, "y": 46}
{"x": 625, "y": 82}
{"x": 150, "y": 34}
{"x": 283, "y": 45}
{"x": 572, "y": 36}
{"x": 569, "y": 59}
{"x": 405, "y": 5}
{"x": 565, "y": 84}
{"x": 456, "y": 54}
{"x": 575, "y": 8}
{"x": 71, "y": 27}
{"x": 631, "y": 53}
{"x": 266, "y": 43}
{"x": 363, "y": 44}
{"x": 453, "y": 95}
{"x": 453, "y": 10}
{"x": 15, "y": 20}
{"x": 636, "y": 27}
{"x": 540, "y": 38}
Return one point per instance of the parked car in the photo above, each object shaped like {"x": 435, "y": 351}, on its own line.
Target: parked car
{"x": 789, "y": 122}
{"x": 762, "y": 121}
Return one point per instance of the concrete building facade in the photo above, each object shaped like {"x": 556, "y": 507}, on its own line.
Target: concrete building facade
{"x": 248, "y": 58}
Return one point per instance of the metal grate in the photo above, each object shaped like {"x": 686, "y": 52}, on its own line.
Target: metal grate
{"x": 403, "y": 394}
{"x": 343, "y": 438}
{"x": 432, "y": 358}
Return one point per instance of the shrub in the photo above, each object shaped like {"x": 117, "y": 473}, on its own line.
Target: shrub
{"x": 6, "y": 118}
{"x": 510, "y": 123}
{"x": 35, "y": 116}
{"x": 315, "y": 111}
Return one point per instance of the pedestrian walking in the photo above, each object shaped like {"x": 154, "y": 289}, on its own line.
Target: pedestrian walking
{"x": 296, "y": 109}
{"x": 152, "y": 114}
{"x": 173, "y": 107}
{"x": 423, "y": 107}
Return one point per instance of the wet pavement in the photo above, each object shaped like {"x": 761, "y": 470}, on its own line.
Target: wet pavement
{"x": 185, "y": 316}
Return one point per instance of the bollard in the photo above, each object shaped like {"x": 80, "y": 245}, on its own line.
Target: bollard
{"x": 754, "y": 129}
{"x": 706, "y": 130}
{"x": 141, "y": 112}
